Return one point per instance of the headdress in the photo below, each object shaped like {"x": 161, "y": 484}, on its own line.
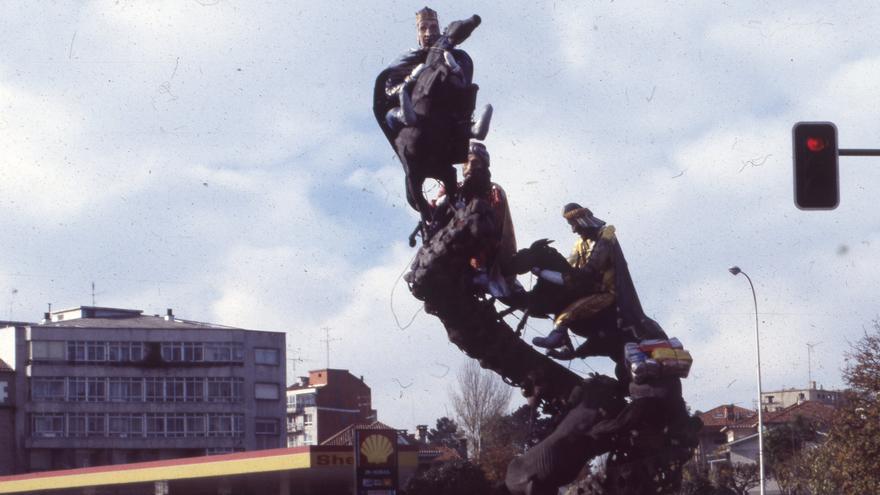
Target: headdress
{"x": 583, "y": 216}
{"x": 479, "y": 150}
{"x": 426, "y": 14}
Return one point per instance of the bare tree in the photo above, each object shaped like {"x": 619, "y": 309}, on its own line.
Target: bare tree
{"x": 481, "y": 396}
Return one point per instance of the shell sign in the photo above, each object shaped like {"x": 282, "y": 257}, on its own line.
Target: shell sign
{"x": 375, "y": 462}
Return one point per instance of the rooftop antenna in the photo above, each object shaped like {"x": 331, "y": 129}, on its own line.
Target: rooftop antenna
{"x": 810, "y": 346}
{"x": 93, "y": 293}
{"x": 327, "y": 341}
{"x": 293, "y": 360}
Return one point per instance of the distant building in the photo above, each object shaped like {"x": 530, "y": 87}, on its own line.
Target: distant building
{"x": 324, "y": 403}
{"x": 7, "y": 419}
{"x": 97, "y": 386}
{"x": 742, "y": 445}
{"x": 714, "y": 421}
{"x": 781, "y": 399}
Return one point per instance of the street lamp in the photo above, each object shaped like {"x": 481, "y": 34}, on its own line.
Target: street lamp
{"x": 735, "y": 270}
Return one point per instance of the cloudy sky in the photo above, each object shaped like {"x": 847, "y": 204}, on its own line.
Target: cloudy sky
{"x": 220, "y": 158}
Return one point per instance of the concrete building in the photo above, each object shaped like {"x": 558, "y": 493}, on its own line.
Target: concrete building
{"x": 324, "y": 403}
{"x": 780, "y": 399}
{"x": 96, "y": 386}
{"x": 7, "y": 418}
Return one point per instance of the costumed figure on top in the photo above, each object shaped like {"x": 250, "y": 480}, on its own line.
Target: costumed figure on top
{"x": 424, "y": 103}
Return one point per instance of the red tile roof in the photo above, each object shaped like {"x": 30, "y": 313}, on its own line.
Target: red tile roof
{"x": 811, "y": 410}
{"x": 345, "y": 436}
{"x": 726, "y": 415}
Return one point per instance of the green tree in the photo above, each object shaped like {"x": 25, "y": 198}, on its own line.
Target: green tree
{"x": 447, "y": 434}
{"x": 458, "y": 477}
{"x": 784, "y": 453}
{"x": 849, "y": 461}
{"x": 736, "y": 479}
{"x": 505, "y": 437}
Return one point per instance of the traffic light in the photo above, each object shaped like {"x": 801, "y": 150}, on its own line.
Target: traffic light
{"x": 816, "y": 184}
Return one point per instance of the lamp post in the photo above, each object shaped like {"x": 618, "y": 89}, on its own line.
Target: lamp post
{"x": 735, "y": 270}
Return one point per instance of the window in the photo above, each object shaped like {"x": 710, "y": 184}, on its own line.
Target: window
{"x": 96, "y": 389}
{"x": 225, "y": 425}
{"x": 193, "y": 352}
{"x": 47, "y": 425}
{"x": 96, "y": 351}
{"x": 266, "y": 391}
{"x": 155, "y": 389}
{"x": 47, "y": 388}
{"x": 769, "y": 399}
{"x": 126, "y": 389}
{"x": 155, "y": 425}
{"x": 76, "y": 351}
{"x": 224, "y": 389}
{"x": 308, "y": 439}
{"x": 174, "y": 390}
{"x": 76, "y": 425}
{"x": 172, "y": 351}
{"x": 307, "y": 419}
{"x": 76, "y": 389}
{"x": 175, "y": 425}
{"x": 126, "y": 425}
{"x": 122, "y": 352}
{"x": 47, "y": 350}
{"x": 266, "y": 426}
{"x": 194, "y": 389}
{"x": 195, "y": 425}
{"x": 95, "y": 423}
{"x": 267, "y": 356}
{"x": 224, "y": 352}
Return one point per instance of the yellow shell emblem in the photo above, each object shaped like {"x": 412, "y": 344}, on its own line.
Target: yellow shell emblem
{"x": 377, "y": 448}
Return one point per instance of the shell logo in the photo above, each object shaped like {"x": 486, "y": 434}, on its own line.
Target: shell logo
{"x": 377, "y": 449}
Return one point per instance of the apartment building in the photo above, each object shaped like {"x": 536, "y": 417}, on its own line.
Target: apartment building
{"x": 97, "y": 386}
{"x": 778, "y": 400}
{"x": 324, "y": 403}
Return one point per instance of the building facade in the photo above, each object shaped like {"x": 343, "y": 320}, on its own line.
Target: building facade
{"x": 780, "y": 399}
{"x": 324, "y": 403}
{"x": 98, "y": 386}
{"x": 7, "y": 418}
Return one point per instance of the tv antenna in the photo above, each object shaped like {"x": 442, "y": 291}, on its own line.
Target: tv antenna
{"x": 810, "y": 346}
{"x": 327, "y": 341}
{"x": 292, "y": 359}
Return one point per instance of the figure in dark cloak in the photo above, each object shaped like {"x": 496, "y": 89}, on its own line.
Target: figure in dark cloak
{"x": 424, "y": 103}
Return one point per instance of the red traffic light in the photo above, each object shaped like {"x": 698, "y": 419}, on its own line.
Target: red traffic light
{"x": 815, "y": 144}
{"x": 816, "y": 183}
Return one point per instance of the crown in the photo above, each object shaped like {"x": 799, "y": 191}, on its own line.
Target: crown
{"x": 426, "y": 14}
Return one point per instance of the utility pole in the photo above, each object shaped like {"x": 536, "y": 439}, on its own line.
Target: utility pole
{"x": 810, "y": 346}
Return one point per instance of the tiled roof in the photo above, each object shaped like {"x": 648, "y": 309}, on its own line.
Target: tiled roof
{"x": 439, "y": 453}
{"x": 810, "y": 409}
{"x": 4, "y": 366}
{"x": 726, "y": 415}
{"x": 345, "y": 436}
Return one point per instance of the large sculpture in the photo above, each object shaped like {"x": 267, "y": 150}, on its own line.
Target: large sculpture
{"x": 424, "y": 104}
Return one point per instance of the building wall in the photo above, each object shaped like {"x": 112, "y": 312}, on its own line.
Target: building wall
{"x": 236, "y": 420}
{"x": 780, "y": 399}
{"x": 333, "y": 400}
{"x": 7, "y": 422}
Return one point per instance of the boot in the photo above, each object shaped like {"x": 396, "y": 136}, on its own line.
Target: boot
{"x": 481, "y": 126}
{"x": 554, "y": 339}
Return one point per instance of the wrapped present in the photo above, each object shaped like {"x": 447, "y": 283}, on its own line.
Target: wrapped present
{"x": 645, "y": 370}
{"x": 675, "y": 362}
{"x": 649, "y": 345}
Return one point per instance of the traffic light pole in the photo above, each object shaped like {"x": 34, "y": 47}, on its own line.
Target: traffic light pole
{"x": 858, "y": 152}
